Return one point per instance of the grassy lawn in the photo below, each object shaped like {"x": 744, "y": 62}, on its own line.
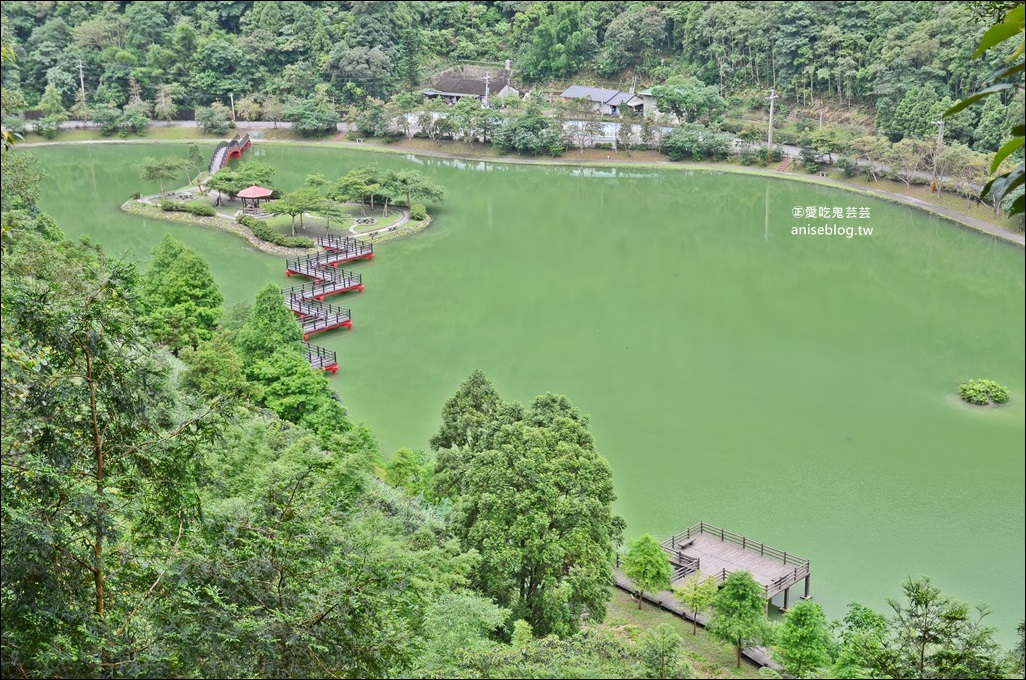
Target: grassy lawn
{"x": 286, "y": 134}
{"x": 316, "y": 225}
{"x": 312, "y": 225}
{"x": 710, "y": 657}
{"x": 922, "y": 193}
{"x": 283, "y": 224}
{"x": 393, "y": 217}
{"x": 448, "y": 147}
{"x": 160, "y": 133}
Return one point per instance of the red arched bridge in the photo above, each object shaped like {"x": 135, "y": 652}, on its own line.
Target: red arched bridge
{"x": 225, "y": 151}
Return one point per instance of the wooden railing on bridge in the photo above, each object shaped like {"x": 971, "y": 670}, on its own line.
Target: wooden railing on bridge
{"x": 329, "y": 282}
{"x": 316, "y": 316}
{"x": 346, "y": 247}
{"x": 309, "y": 265}
{"x": 680, "y": 573}
{"x": 316, "y": 267}
{"x": 307, "y": 300}
{"x": 320, "y": 358}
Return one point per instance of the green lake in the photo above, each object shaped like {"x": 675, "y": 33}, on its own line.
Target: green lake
{"x": 796, "y": 389}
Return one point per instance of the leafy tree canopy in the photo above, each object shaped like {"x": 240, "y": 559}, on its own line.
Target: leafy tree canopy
{"x": 739, "y": 612}
{"x": 647, "y": 566}
{"x": 180, "y": 295}
{"x": 533, "y": 498}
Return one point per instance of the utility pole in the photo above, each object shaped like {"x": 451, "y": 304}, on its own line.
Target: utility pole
{"x": 937, "y": 152}
{"x": 769, "y": 140}
{"x": 81, "y": 79}
{"x": 231, "y": 95}
{"x": 487, "y": 79}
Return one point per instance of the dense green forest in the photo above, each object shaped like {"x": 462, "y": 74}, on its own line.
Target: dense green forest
{"x": 872, "y": 55}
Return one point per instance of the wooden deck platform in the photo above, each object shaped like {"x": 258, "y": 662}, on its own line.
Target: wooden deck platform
{"x": 717, "y": 552}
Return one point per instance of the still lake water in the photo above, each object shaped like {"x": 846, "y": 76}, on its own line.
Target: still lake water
{"x": 797, "y": 389}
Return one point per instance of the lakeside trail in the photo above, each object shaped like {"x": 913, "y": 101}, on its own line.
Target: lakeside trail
{"x": 961, "y": 219}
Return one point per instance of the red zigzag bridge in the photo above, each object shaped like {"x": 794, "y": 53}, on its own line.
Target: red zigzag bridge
{"x": 307, "y": 300}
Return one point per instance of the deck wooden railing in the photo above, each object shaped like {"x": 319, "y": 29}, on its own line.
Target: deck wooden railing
{"x": 685, "y": 565}
{"x": 330, "y": 317}
{"x": 737, "y": 539}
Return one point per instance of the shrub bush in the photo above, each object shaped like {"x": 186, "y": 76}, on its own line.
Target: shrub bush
{"x": 418, "y": 212}
{"x": 48, "y": 127}
{"x": 198, "y": 210}
{"x": 732, "y": 125}
{"x": 14, "y": 124}
{"x": 264, "y": 232}
{"x": 530, "y": 133}
{"x": 556, "y": 148}
{"x": 696, "y": 142}
{"x": 786, "y": 137}
{"x": 849, "y": 165}
{"x": 982, "y": 392}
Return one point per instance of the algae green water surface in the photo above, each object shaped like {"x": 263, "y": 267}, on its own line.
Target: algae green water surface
{"x": 794, "y": 389}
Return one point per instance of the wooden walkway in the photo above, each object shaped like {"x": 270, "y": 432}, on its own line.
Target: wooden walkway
{"x": 717, "y": 552}
{"x": 315, "y": 265}
{"x": 665, "y": 600}
{"x": 320, "y": 358}
{"x": 307, "y": 300}
{"x": 327, "y": 281}
{"x": 344, "y": 249}
{"x": 316, "y": 316}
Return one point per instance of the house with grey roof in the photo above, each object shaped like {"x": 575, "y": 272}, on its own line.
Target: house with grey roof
{"x": 462, "y": 82}
{"x": 607, "y": 102}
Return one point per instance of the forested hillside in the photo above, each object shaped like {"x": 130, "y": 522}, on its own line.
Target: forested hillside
{"x": 196, "y": 53}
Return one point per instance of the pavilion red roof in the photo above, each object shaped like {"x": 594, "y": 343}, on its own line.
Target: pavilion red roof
{"x": 255, "y": 192}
